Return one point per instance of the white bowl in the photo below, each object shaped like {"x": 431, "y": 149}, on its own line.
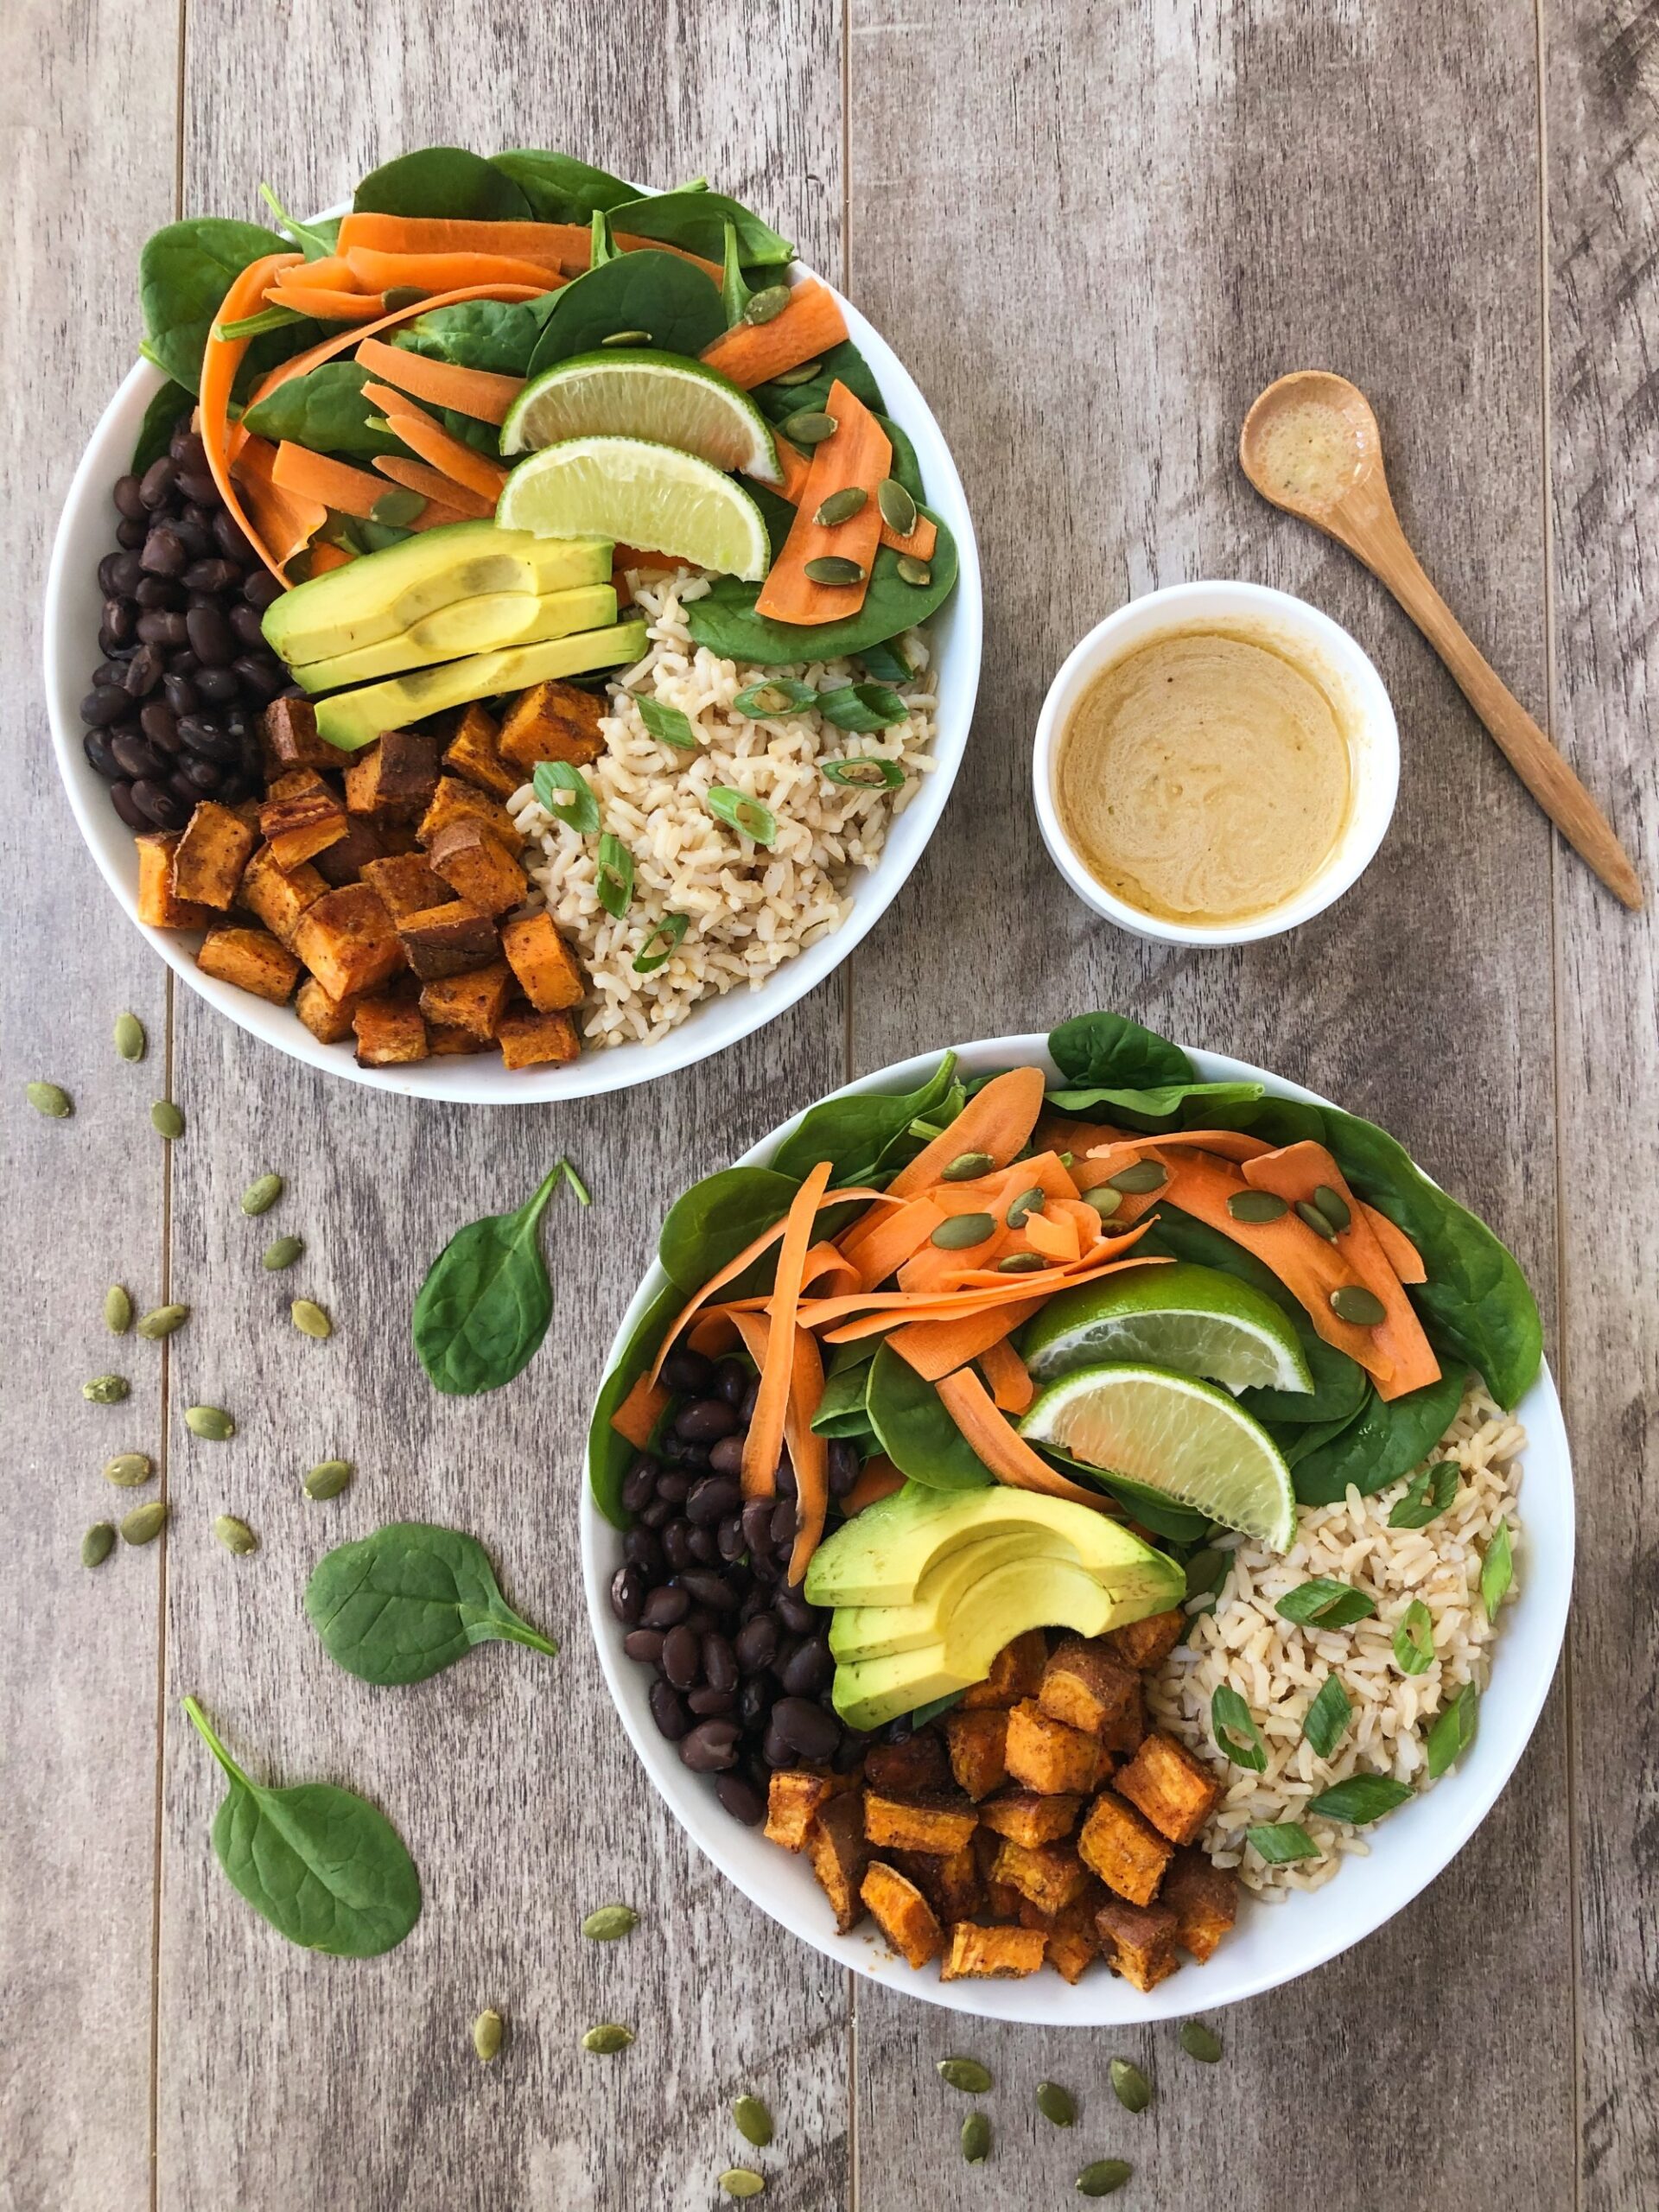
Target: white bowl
{"x": 72, "y": 604}
{"x": 1272, "y": 1944}
{"x": 1309, "y": 636}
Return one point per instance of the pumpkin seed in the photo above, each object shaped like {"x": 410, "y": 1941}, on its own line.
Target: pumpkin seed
{"x": 327, "y": 1478}
{"x": 766, "y": 306}
{"x": 898, "y": 508}
{"x": 261, "y": 1194}
{"x": 309, "y": 1319}
{"x": 145, "y": 1522}
{"x": 1021, "y": 1263}
{"x": 1256, "y": 1206}
{"x": 1332, "y": 1205}
{"x": 803, "y": 374}
{"x": 842, "y": 506}
{"x": 963, "y": 1230}
{"x": 282, "y": 1252}
{"x": 1315, "y": 1220}
{"x": 396, "y": 297}
{"x": 752, "y": 2121}
{"x": 129, "y": 1040}
{"x": 965, "y": 2074}
{"x": 1199, "y": 2042}
{"x": 166, "y": 1120}
{"x": 1104, "y": 2178}
{"x": 161, "y": 1320}
{"x": 1352, "y": 1302}
{"x": 976, "y": 2138}
{"x": 742, "y": 2180}
{"x": 1104, "y": 1199}
{"x": 912, "y": 571}
{"x": 809, "y": 428}
{"x": 1056, "y": 2105}
{"x": 128, "y": 1469}
{"x": 117, "y": 1310}
{"x": 610, "y": 1922}
{"x": 834, "y": 569}
{"x": 1141, "y": 1175}
{"x": 1028, "y": 1202}
{"x": 96, "y": 1544}
{"x": 609, "y": 2036}
{"x": 1130, "y": 2086}
{"x": 966, "y": 1166}
{"x": 50, "y": 1099}
{"x": 105, "y": 1389}
{"x": 235, "y": 1535}
{"x": 210, "y": 1421}
{"x": 628, "y": 337}
{"x": 488, "y": 2031}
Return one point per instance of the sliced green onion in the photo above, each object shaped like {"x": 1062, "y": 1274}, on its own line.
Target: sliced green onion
{"x": 1233, "y": 1725}
{"x": 1325, "y": 1603}
{"x": 778, "y": 695}
{"x": 614, "y": 882}
{"x": 580, "y": 811}
{"x": 666, "y": 724}
{"x": 1281, "y": 1842}
{"x": 1362, "y": 1798}
{"x": 1326, "y": 1722}
{"x": 886, "y": 663}
{"x": 1452, "y": 1732}
{"x": 862, "y": 706}
{"x": 1414, "y": 1639}
{"x": 1498, "y": 1572}
{"x": 738, "y": 811}
{"x": 863, "y": 771}
{"x": 661, "y": 944}
{"x": 1428, "y": 1493}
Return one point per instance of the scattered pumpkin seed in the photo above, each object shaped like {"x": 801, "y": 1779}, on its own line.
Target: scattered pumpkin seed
{"x": 962, "y": 1229}
{"x": 742, "y": 2180}
{"x": 117, "y": 1310}
{"x": 129, "y": 1040}
{"x": 235, "y": 1535}
{"x": 809, "y": 428}
{"x": 105, "y": 1389}
{"x": 50, "y": 1099}
{"x": 766, "y": 306}
{"x": 161, "y": 1320}
{"x": 610, "y": 1922}
{"x": 145, "y": 1522}
{"x": 210, "y": 1421}
{"x": 1021, "y": 1263}
{"x": 261, "y": 1194}
{"x": 898, "y": 508}
{"x": 488, "y": 2031}
{"x": 1199, "y": 2042}
{"x": 1140, "y": 1176}
{"x": 1333, "y": 1206}
{"x": 803, "y": 374}
{"x": 609, "y": 2036}
{"x": 1351, "y": 1302}
{"x": 976, "y": 2138}
{"x": 967, "y": 2075}
{"x": 1056, "y": 2105}
{"x": 752, "y": 2121}
{"x": 628, "y": 337}
{"x": 310, "y": 1319}
{"x": 1256, "y": 1206}
{"x": 327, "y": 1478}
{"x": 1104, "y": 2178}
{"x": 128, "y": 1469}
{"x": 834, "y": 569}
{"x": 1316, "y": 1221}
{"x": 282, "y": 1252}
{"x": 912, "y": 571}
{"x": 842, "y": 506}
{"x": 166, "y": 1119}
{"x": 966, "y": 1166}
{"x": 96, "y": 1544}
{"x": 1130, "y": 2086}
{"x": 1104, "y": 1199}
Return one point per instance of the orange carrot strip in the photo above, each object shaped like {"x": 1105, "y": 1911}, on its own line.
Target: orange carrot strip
{"x": 444, "y": 272}
{"x": 713, "y": 1333}
{"x": 1226, "y": 1144}
{"x": 636, "y": 1416}
{"x": 327, "y": 555}
{"x": 327, "y": 305}
{"x": 1012, "y": 1387}
{"x": 937, "y": 1348}
{"x": 754, "y": 352}
{"x": 287, "y": 525}
{"x": 310, "y": 475}
{"x": 891, "y": 1240}
{"x": 221, "y": 357}
{"x": 434, "y": 443}
{"x": 847, "y": 1320}
{"x": 859, "y": 454}
{"x": 878, "y": 1477}
{"x": 796, "y": 465}
{"x": 476, "y": 392}
{"x": 1401, "y": 1253}
{"x": 766, "y": 1438}
{"x": 1007, "y": 1455}
{"x": 828, "y": 1273}
{"x": 435, "y": 515}
{"x": 301, "y": 364}
{"x": 920, "y": 542}
{"x": 809, "y": 1452}
{"x": 564, "y": 246}
{"x": 1055, "y": 1240}
{"x": 995, "y": 1121}
{"x": 433, "y": 484}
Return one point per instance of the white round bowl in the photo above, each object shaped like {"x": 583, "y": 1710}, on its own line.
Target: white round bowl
{"x": 1272, "y": 1944}
{"x": 1309, "y": 637}
{"x": 72, "y": 604}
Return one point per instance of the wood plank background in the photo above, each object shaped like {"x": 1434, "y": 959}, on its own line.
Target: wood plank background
{"x": 1093, "y": 232}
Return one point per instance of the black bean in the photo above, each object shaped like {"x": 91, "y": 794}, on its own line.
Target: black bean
{"x": 644, "y": 1546}
{"x": 843, "y": 1465}
{"x": 108, "y": 672}
{"x": 850, "y": 1752}
{"x": 667, "y": 1710}
{"x": 246, "y": 622}
{"x": 261, "y": 588}
{"x": 714, "y": 1591}
{"x": 211, "y": 639}
{"x": 135, "y": 757}
{"x": 194, "y": 779}
{"x": 195, "y": 534}
{"x": 183, "y": 663}
{"x": 682, "y": 1656}
{"x": 677, "y": 1544}
{"x": 776, "y": 1748}
{"x": 674, "y": 1486}
{"x": 700, "y": 1620}
{"x": 158, "y": 591}
{"x": 645, "y": 1644}
{"x": 105, "y": 703}
{"x": 711, "y": 1745}
{"x": 157, "y": 481}
{"x": 757, "y": 1524}
{"x": 754, "y": 1702}
{"x": 144, "y": 672}
{"x": 128, "y": 498}
{"x": 766, "y": 1568}
{"x": 757, "y": 1601}
{"x": 106, "y": 574}
{"x": 126, "y": 806}
{"x": 627, "y": 1593}
{"x": 126, "y": 573}
{"x": 165, "y": 553}
{"x": 704, "y": 1420}
{"x": 657, "y": 1513}
{"x": 783, "y": 1524}
{"x": 806, "y": 1728}
{"x": 180, "y": 693}
{"x": 664, "y": 1607}
{"x": 729, "y": 1539}
{"x": 96, "y": 746}
{"x": 639, "y": 1483}
{"x": 719, "y": 1663}
{"x": 211, "y": 572}
{"x": 201, "y": 734}
{"x": 703, "y": 1546}
{"x": 726, "y": 1454}
{"x": 159, "y": 806}
{"x": 217, "y": 685}
{"x": 707, "y": 1702}
{"x": 713, "y": 1499}
{"x": 795, "y": 1613}
{"x": 130, "y": 535}
{"x": 746, "y": 1403}
{"x": 197, "y": 486}
{"x": 161, "y": 625}
{"x": 786, "y": 1474}
{"x": 755, "y": 1645}
{"x": 742, "y": 1799}
{"x": 732, "y": 1381}
{"x": 160, "y": 724}
{"x": 260, "y": 677}
{"x": 120, "y": 621}
{"x": 900, "y": 1730}
{"x": 810, "y": 1670}
{"x": 687, "y": 1373}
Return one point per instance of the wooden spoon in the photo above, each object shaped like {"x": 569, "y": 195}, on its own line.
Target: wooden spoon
{"x": 1311, "y": 445}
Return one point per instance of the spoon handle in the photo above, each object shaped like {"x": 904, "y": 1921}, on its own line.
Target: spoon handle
{"x": 1380, "y": 544}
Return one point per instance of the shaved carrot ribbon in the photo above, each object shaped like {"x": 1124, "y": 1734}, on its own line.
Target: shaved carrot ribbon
{"x": 477, "y": 392}
{"x": 765, "y": 1440}
{"x": 636, "y": 1416}
{"x": 221, "y": 360}
{"x": 303, "y": 364}
{"x": 434, "y": 443}
{"x": 433, "y": 484}
{"x": 937, "y": 1348}
{"x": 878, "y": 1478}
{"x": 1007, "y": 1455}
{"x": 1012, "y": 1387}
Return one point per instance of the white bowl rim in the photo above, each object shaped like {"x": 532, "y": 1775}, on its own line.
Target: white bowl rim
{"x": 1408, "y": 1850}
{"x": 1368, "y": 818}
{"x": 956, "y": 632}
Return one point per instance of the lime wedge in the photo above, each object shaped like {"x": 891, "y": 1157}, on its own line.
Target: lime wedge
{"x": 662, "y": 396}
{"x": 637, "y": 493}
{"x": 1182, "y": 1438}
{"x": 1195, "y": 1319}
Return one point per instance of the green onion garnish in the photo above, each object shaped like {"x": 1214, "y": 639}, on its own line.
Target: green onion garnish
{"x": 614, "y": 881}
{"x": 1428, "y": 1493}
{"x": 1362, "y": 1798}
{"x": 862, "y": 706}
{"x": 580, "y": 809}
{"x": 1326, "y": 1722}
{"x": 1279, "y": 1842}
{"x": 1454, "y": 1730}
{"x": 660, "y": 943}
{"x": 738, "y": 811}
{"x": 1325, "y": 1603}
{"x": 1498, "y": 1571}
{"x": 1233, "y": 1725}
{"x": 666, "y": 724}
{"x": 873, "y": 775}
{"x": 1414, "y": 1639}
{"x": 778, "y": 695}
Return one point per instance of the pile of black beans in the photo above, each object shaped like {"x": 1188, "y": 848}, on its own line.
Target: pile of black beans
{"x": 173, "y": 715}
{"x": 742, "y": 1663}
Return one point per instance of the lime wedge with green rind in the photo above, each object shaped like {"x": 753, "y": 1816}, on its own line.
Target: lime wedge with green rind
{"x": 630, "y": 393}
{"x": 636, "y": 493}
{"x": 1193, "y": 1320}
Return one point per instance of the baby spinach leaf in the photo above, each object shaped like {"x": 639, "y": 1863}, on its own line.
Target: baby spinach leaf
{"x": 316, "y": 241}
{"x": 184, "y": 272}
{"x": 710, "y": 1224}
{"x": 499, "y": 335}
{"x": 841, "y": 1410}
{"x": 905, "y": 468}
{"x": 1149, "y": 1509}
{"x": 447, "y": 180}
{"x": 324, "y": 410}
{"x": 916, "y": 1431}
{"x": 484, "y": 1305}
{"x": 724, "y": 620}
{"x": 1109, "y": 1048}
{"x": 1150, "y": 1107}
{"x": 1385, "y": 1440}
{"x": 696, "y": 220}
{"x": 658, "y": 292}
{"x": 408, "y": 1601}
{"x": 775, "y": 512}
{"x": 162, "y": 417}
{"x": 735, "y": 290}
{"x": 325, "y": 1867}
{"x": 857, "y": 1133}
{"x": 558, "y": 187}
{"x": 609, "y": 1453}
{"x": 843, "y": 364}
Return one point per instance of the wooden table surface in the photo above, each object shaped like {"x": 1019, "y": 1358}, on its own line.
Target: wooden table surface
{"x": 1093, "y": 232}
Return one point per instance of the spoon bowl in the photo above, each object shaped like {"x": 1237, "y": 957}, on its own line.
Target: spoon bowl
{"x": 1309, "y": 441}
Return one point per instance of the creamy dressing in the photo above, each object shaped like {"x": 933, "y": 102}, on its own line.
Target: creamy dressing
{"x": 1307, "y": 449}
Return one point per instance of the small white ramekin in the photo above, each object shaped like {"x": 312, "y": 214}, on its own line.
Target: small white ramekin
{"x": 1309, "y": 637}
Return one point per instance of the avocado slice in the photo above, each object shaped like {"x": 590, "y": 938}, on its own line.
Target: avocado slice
{"x": 877, "y": 1631}
{"x": 352, "y": 718}
{"x": 488, "y": 622}
{"x": 381, "y": 594}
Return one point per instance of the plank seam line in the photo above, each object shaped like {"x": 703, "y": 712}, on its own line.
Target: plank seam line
{"x": 853, "y": 2190}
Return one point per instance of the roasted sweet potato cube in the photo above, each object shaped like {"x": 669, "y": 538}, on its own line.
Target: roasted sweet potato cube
{"x": 1026, "y": 1817}
{"x": 940, "y": 1825}
{"x": 1176, "y": 1792}
{"x": 902, "y": 1913}
{"x": 1146, "y": 1644}
{"x": 389, "y": 1032}
{"x": 1046, "y": 1754}
{"x": 287, "y": 733}
{"x": 1088, "y": 1686}
{"x": 405, "y": 885}
{"x": 396, "y": 775}
{"x": 977, "y": 1742}
{"x": 328, "y": 1019}
{"x": 301, "y": 815}
{"x": 552, "y": 721}
{"x": 473, "y": 754}
{"x": 445, "y": 1041}
{"x": 251, "y": 959}
{"x": 345, "y": 861}
{"x": 158, "y": 907}
{"x": 449, "y": 938}
{"x": 477, "y": 867}
{"x": 916, "y": 1768}
{"x": 794, "y": 1797}
{"x": 1016, "y": 1672}
{"x": 1073, "y": 1939}
{"x": 528, "y": 1039}
{"x": 1137, "y": 1941}
{"x": 839, "y": 1853}
{"x": 992, "y": 1953}
{"x": 475, "y": 1001}
{"x": 549, "y": 973}
{"x": 1116, "y": 1844}
{"x": 211, "y": 855}
{"x": 349, "y": 942}
{"x": 455, "y": 801}
{"x": 1050, "y": 1876}
{"x": 1032, "y": 1915}
{"x": 1204, "y": 1899}
{"x": 276, "y": 896}
{"x": 951, "y": 1884}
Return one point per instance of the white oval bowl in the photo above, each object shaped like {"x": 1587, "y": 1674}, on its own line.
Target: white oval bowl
{"x": 72, "y": 604}
{"x": 1272, "y": 1944}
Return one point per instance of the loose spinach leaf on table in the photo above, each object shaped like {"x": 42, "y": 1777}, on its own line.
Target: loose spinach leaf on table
{"x": 1385, "y": 1439}
{"x": 162, "y": 417}
{"x": 325, "y": 1867}
{"x": 445, "y": 180}
{"x": 1150, "y": 1107}
{"x": 324, "y": 411}
{"x": 724, "y": 620}
{"x": 558, "y": 187}
{"x": 184, "y": 271}
{"x": 484, "y": 1305}
{"x": 843, "y": 364}
{"x": 857, "y": 1133}
{"x": 499, "y": 335}
{"x": 655, "y": 292}
{"x": 696, "y": 218}
{"x": 609, "y": 1453}
{"x": 1108, "y": 1049}
{"x": 709, "y": 1224}
{"x": 915, "y": 1431}
{"x": 408, "y": 1601}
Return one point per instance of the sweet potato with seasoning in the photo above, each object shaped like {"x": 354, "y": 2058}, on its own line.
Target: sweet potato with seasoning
{"x": 985, "y": 1953}
{"x": 1050, "y": 1876}
{"x": 252, "y": 960}
{"x": 528, "y": 1039}
{"x": 902, "y": 1913}
{"x": 949, "y": 1882}
{"x": 1073, "y": 1939}
{"x": 939, "y": 1825}
{"x": 1137, "y": 1941}
{"x": 398, "y": 775}
{"x": 1129, "y": 1855}
{"x": 1016, "y": 1672}
{"x": 1046, "y": 1754}
{"x": 473, "y": 753}
{"x": 1089, "y": 1687}
{"x": 1175, "y": 1791}
{"x": 794, "y": 1797}
{"x": 344, "y": 860}
{"x": 390, "y": 1032}
{"x": 1146, "y": 1644}
{"x": 211, "y": 855}
{"x": 477, "y": 867}
{"x": 159, "y": 908}
{"x": 328, "y": 1019}
{"x": 978, "y": 1743}
{"x": 1204, "y": 1899}
{"x": 549, "y": 972}
{"x": 288, "y": 738}
{"x": 455, "y": 801}
{"x": 839, "y": 1853}
{"x": 916, "y": 1768}
{"x": 302, "y": 815}
{"x": 404, "y": 883}
{"x": 1027, "y": 1818}
{"x": 448, "y": 939}
{"x": 475, "y": 1001}
{"x": 278, "y": 896}
{"x": 347, "y": 941}
{"x": 444, "y": 1041}
{"x": 552, "y": 721}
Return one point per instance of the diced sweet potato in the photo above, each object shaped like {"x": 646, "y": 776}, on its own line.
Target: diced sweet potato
{"x": 992, "y": 1953}
{"x": 475, "y": 1001}
{"x": 1050, "y": 1876}
{"x": 158, "y": 908}
{"x": 1088, "y": 1686}
{"x": 1073, "y": 1939}
{"x": 389, "y": 1032}
{"x": 473, "y": 754}
{"x": 940, "y": 1825}
{"x": 449, "y": 938}
{"x": 794, "y": 1797}
{"x": 1127, "y": 1731}
{"x": 328, "y": 1019}
{"x": 1175, "y": 1791}
{"x": 1025, "y": 1817}
{"x": 345, "y": 861}
{"x": 396, "y": 775}
{"x": 902, "y": 1913}
{"x": 288, "y": 732}
{"x": 1204, "y": 1899}
{"x": 1016, "y": 1672}
{"x": 839, "y": 1853}
{"x": 977, "y": 1742}
{"x": 1146, "y": 1644}
{"x": 552, "y": 721}
{"x": 1046, "y": 1754}
{"x": 949, "y": 1882}
{"x": 210, "y": 856}
{"x": 528, "y": 1039}
{"x": 1137, "y": 1941}
{"x": 405, "y": 885}
{"x": 349, "y": 942}
{"x": 549, "y": 973}
{"x": 251, "y": 959}
{"x": 1116, "y": 1844}
{"x": 917, "y": 1767}
{"x": 477, "y": 867}
{"x": 455, "y": 801}
{"x": 444, "y": 1041}
{"x": 278, "y": 897}
{"x": 300, "y": 817}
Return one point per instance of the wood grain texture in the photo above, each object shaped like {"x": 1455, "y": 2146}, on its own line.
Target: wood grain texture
{"x": 1603, "y": 68}
{"x": 1162, "y": 220}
